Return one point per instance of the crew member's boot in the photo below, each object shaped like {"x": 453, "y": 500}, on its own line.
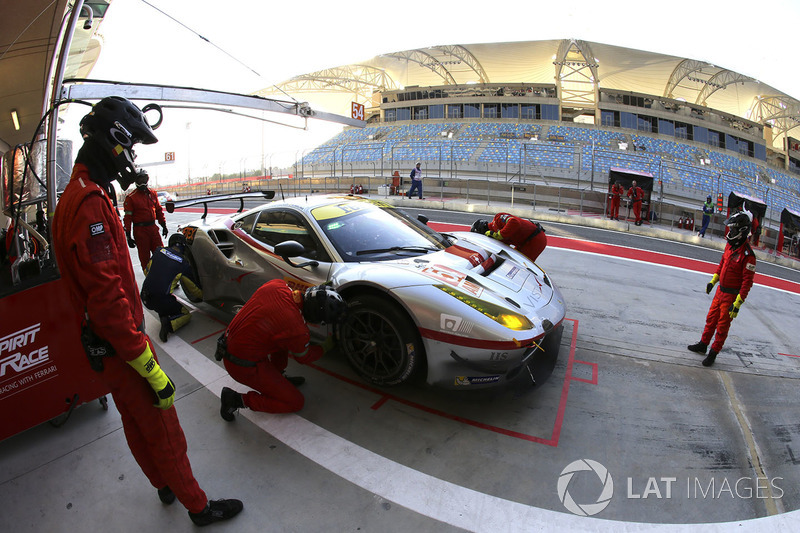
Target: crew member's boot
{"x": 166, "y": 329}
{"x": 216, "y": 511}
{"x": 700, "y": 347}
{"x": 295, "y": 380}
{"x": 709, "y": 360}
{"x": 231, "y": 402}
{"x": 166, "y": 495}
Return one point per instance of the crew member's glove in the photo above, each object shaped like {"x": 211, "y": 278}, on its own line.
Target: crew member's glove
{"x": 314, "y": 353}
{"x": 131, "y": 242}
{"x": 147, "y": 367}
{"x": 710, "y": 286}
{"x": 494, "y": 235}
{"x": 164, "y": 231}
{"x": 733, "y": 310}
{"x": 328, "y": 344}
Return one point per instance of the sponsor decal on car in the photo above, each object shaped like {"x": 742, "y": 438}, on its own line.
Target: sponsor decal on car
{"x": 327, "y": 212}
{"x": 455, "y": 324}
{"x": 297, "y": 284}
{"x": 454, "y": 278}
{"x": 474, "y": 257}
{"x": 189, "y": 234}
{"x": 481, "y": 380}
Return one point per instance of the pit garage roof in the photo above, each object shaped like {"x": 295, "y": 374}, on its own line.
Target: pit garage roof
{"x": 536, "y": 62}
{"x": 29, "y": 34}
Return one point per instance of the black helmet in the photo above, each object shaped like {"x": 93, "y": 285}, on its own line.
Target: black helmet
{"x": 142, "y": 178}
{"x": 178, "y": 241}
{"x": 323, "y": 305}
{"x": 480, "y": 226}
{"x": 739, "y": 225}
{"x": 116, "y": 124}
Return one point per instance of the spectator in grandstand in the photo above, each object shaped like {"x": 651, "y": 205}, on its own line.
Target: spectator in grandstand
{"x": 735, "y": 274}
{"x": 708, "y": 210}
{"x": 525, "y": 235}
{"x": 416, "y": 181}
{"x": 613, "y": 200}
{"x": 636, "y": 194}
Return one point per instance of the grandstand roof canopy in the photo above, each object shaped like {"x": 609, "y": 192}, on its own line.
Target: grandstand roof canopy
{"x": 617, "y": 68}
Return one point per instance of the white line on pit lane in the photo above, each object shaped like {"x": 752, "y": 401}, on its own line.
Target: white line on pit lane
{"x": 419, "y": 492}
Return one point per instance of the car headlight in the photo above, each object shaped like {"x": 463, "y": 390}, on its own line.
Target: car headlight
{"x": 501, "y": 315}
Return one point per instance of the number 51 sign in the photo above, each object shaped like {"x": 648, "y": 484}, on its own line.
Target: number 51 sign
{"x": 357, "y": 111}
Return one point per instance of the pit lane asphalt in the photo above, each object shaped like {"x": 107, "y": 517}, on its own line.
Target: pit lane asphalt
{"x": 627, "y": 394}
{"x": 682, "y": 444}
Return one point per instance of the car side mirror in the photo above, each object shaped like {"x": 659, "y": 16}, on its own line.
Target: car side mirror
{"x": 423, "y": 219}
{"x": 289, "y": 249}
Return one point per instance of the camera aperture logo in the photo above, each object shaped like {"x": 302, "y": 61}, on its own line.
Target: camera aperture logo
{"x": 593, "y": 468}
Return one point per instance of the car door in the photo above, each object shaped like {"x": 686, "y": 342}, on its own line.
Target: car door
{"x": 274, "y": 226}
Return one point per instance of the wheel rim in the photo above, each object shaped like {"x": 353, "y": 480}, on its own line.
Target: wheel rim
{"x": 374, "y": 345}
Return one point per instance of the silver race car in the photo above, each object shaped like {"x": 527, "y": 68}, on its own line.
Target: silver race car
{"x": 460, "y": 309}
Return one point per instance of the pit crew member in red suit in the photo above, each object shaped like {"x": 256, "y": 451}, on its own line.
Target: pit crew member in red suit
{"x": 756, "y": 232}
{"x": 526, "y": 236}
{"x": 735, "y": 274}
{"x": 93, "y": 257}
{"x": 636, "y": 194}
{"x": 614, "y": 198}
{"x": 270, "y": 327}
{"x": 142, "y": 210}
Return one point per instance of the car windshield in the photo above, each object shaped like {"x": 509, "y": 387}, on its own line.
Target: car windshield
{"x": 362, "y": 231}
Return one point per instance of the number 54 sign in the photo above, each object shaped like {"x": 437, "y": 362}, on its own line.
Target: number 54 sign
{"x": 357, "y": 111}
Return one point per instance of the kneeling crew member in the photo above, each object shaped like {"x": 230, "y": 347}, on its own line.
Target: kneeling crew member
{"x": 269, "y": 328}
{"x": 526, "y": 236}
{"x": 735, "y": 274}
{"x": 166, "y": 269}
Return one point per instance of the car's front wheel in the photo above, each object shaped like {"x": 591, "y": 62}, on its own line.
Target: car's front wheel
{"x": 381, "y": 342}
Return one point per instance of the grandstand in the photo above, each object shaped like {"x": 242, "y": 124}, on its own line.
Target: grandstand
{"x": 466, "y": 110}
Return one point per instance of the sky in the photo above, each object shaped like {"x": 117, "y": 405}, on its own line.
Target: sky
{"x": 247, "y": 45}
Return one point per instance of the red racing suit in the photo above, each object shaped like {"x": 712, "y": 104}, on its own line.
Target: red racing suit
{"x": 92, "y": 254}
{"x": 269, "y": 327}
{"x": 526, "y": 236}
{"x": 736, "y": 271}
{"x": 614, "y": 199}
{"x": 636, "y": 194}
{"x": 142, "y": 211}
{"x": 754, "y": 232}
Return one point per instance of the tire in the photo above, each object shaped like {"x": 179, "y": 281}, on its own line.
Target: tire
{"x": 381, "y": 342}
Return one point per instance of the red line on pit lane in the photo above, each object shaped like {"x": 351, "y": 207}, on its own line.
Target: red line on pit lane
{"x": 562, "y": 406}
{"x": 592, "y": 381}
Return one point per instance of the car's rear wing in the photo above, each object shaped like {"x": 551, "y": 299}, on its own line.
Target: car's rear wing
{"x": 172, "y": 205}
